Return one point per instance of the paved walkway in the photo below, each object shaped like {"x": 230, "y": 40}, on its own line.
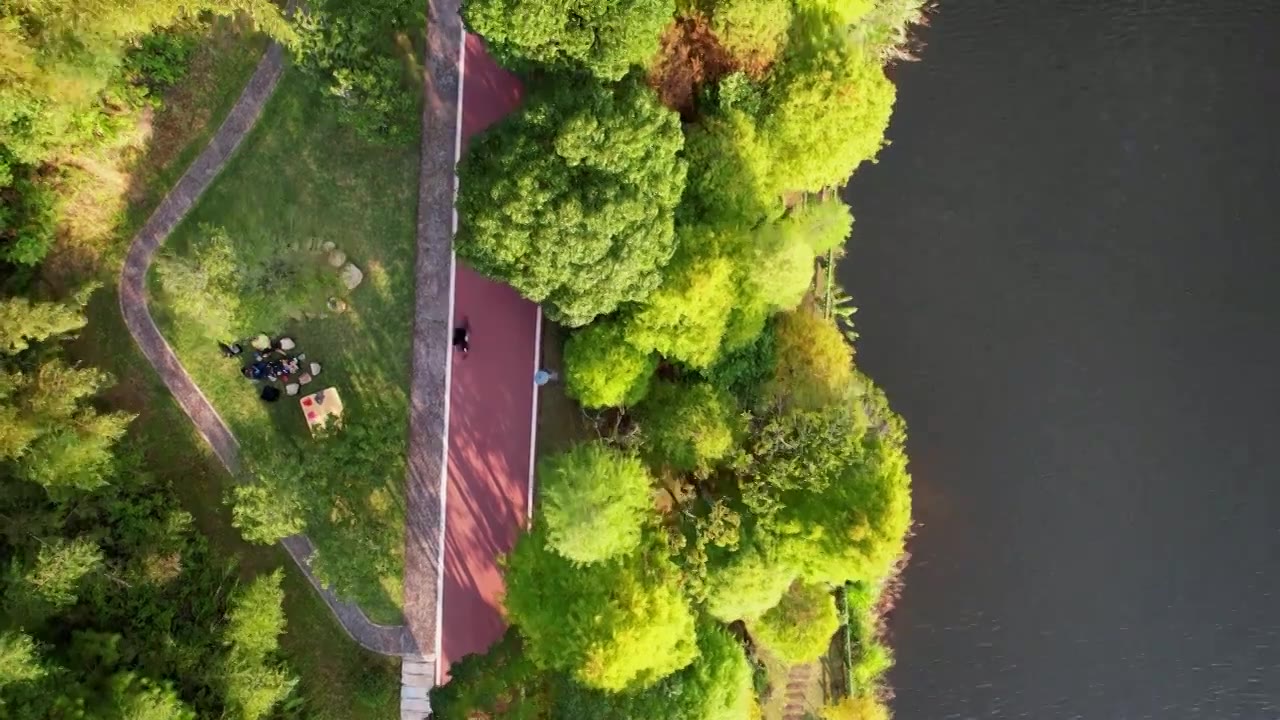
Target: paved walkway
{"x": 388, "y": 640}
{"x": 491, "y": 422}
{"x": 471, "y": 417}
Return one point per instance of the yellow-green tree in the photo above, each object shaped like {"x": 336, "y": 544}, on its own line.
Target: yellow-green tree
{"x": 595, "y": 501}
{"x": 620, "y": 624}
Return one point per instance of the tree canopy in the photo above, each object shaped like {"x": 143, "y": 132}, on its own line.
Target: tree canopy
{"x": 831, "y": 95}
{"x": 620, "y": 624}
{"x": 799, "y": 628}
{"x": 572, "y": 200}
{"x": 689, "y": 427}
{"x": 605, "y": 38}
{"x": 602, "y": 369}
{"x": 595, "y": 500}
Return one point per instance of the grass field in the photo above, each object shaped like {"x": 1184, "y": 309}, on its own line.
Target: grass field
{"x": 301, "y": 180}
{"x": 338, "y": 679}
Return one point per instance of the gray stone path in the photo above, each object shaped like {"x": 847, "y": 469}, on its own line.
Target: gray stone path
{"x": 387, "y": 640}
{"x": 429, "y": 380}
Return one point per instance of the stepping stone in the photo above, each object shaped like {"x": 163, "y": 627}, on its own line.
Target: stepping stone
{"x": 315, "y": 369}
{"x": 291, "y": 389}
{"x": 337, "y": 258}
{"x": 304, "y": 378}
{"x": 328, "y": 245}
{"x": 352, "y": 276}
{"x": 287, "y": 344}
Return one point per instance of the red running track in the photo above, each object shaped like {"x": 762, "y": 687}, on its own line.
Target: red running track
{"x": 490, "y": 414}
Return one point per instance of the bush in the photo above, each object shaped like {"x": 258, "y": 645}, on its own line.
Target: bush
{"x": 859, "y": 707}
{"x": 594, "y": 500}
{"x": 603, "y": 370}
{"x": 800, "y": 627}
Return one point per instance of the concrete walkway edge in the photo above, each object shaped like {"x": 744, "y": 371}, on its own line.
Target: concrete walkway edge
{"x": 383, "y": 639}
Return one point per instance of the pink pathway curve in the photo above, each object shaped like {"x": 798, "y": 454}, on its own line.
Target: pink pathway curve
{"x": 490, "y": 416}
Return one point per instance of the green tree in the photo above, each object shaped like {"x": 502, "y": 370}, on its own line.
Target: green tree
{"x": 715, "y": 686}
{"x": 731, "y": 167}
{"x": 746, "y": 583}
{"x": 613, "y": 625}
{"x": 272, "y": 508}
{"x": 827, "y": 107}
{"x": 799, "y": 628}
{"x": 814, "y": 363}
{"x": 255, "y": 681}
{"x": 135, "y": 698}
{"x": 829, "y": 489}
{"x": 500, "y": 683}
{"x": 602, "y": 369}
{"x": 346, "y": 45}
{"x": 53, "y": 580}
{"x": 23, "y": 321}
{"x": 203, "y": 289}
{"x": 594, "y": 501}
{"x": 20, "y": 661}
{"x": 843, "y": 12}
{"x": 754, "y": 31}
{"x": 51, "y": 433}
{"x": 572, "y": 200}
{"x": 689, "y": 427}
{"x": 685, "y": 318}
{"x": 606, "y": 38}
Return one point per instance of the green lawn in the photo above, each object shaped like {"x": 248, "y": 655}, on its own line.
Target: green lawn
{"x": 301, "y": 180}
{"x": 338, "y": 679}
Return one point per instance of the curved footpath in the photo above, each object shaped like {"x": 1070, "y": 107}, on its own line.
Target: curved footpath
{"x": 387, "y": 640}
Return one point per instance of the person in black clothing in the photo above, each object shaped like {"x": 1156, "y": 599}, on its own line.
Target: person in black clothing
{"x": 462, "y": 338}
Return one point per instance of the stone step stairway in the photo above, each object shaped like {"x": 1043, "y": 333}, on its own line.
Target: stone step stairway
{"x": 417, "y": 677}
{"x": 797, "y": 681}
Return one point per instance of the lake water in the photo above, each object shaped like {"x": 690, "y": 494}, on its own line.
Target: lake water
{"x": 1068, "y": 268}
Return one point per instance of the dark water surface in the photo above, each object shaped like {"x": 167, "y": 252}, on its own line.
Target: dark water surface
{"x": 1068, "y": 265}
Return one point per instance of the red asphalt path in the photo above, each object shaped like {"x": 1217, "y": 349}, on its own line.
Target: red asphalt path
{"x": 491, "y": 404}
